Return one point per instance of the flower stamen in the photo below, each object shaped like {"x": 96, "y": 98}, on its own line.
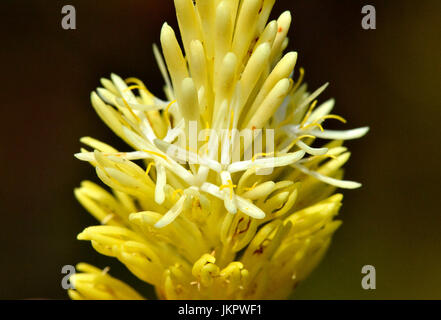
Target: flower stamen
{"x": 166, "y": 112}
{"x": 262, "y": 154}
{"x": 149, "y": 167}
{"x": 299, "y": 80}
{"x": 230, "y": 186}
{"x": 308, "y": 114}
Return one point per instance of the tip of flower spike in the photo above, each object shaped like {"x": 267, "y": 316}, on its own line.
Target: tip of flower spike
{"x": 341, "y": 134}
{"x": 346, "y": 184}
{"x": 83, "y": 156}
{"x": 114, "y": 77}
{"x": 82, "y": 236}
{"x": 358, "y": 133}
{"x": 291, "y": 58}
{"x": 286, "y": 15}
{"x": 77, "y": 193}
{"x": 94, "y": 97}
{"x": 166, "y": 32}
{"x": 363, "y": 131}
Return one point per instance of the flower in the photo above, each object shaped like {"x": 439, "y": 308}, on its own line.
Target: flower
{"x": 214, "y": 217}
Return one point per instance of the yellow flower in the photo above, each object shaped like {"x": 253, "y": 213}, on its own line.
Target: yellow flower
{"x": 207, "y": 214}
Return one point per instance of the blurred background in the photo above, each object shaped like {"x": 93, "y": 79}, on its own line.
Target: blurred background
{"x": 388, "y": 78}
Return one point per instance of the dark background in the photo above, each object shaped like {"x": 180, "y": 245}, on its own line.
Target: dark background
{"x": 388, "y": 78}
